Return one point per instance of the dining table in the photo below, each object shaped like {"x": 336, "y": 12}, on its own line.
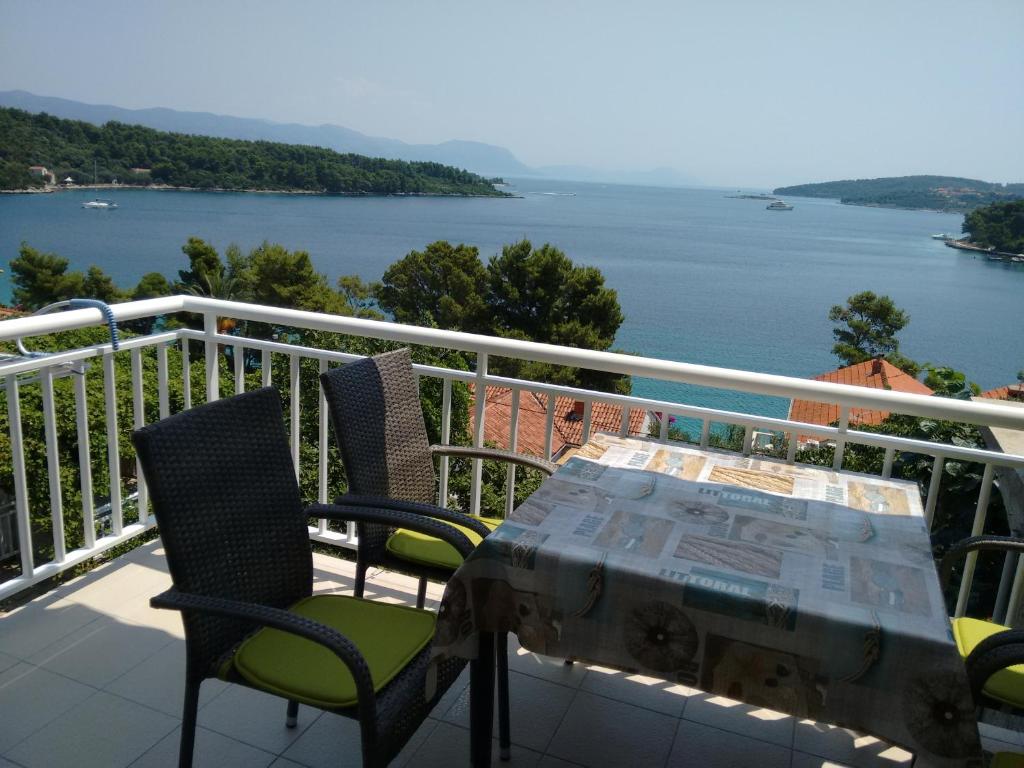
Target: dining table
{"x": 791, "y": 587}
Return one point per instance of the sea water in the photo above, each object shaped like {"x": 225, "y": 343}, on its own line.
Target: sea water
{"x": 702, "y": 278}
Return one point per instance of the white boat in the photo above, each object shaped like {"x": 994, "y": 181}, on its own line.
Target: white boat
{"x": 778, "y": 205}
{"x": 101, "y": 205}
{"x": 942, "y": 236}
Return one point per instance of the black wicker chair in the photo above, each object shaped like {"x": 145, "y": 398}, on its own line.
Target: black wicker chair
{"x": 378, "y": 420}
{"x": 226, "y": 500}
{"x": 989, "y": 649}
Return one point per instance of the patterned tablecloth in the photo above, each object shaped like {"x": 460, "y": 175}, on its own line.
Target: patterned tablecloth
{"x": 789, "y": 587}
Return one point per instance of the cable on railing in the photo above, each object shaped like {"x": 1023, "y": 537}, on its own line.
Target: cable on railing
{"x": 102, "y": 306}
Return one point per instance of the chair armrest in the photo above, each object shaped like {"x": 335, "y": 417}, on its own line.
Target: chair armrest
{"x": 996, "y": 652}
{"x": 277, "y": 618}
{"x": 396, "y": 518}
{"x": 416, "y": 507}
{"x": 974, "y": 543}
{"x": 511, "y": 457}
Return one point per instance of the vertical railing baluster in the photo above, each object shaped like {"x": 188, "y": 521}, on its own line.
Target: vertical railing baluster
{"x": 624, "y": 421}
{"x": 748, "y": 439}
{"x": 239, "y": 355}
{"x": 323, "y": 446}
{"x": 890, "y": 454}
{"x": 933, "y": 490}
{"x": 186, "y": 373}
{"x": 705, "y": 434}
{"x": 293, "y": 385}
{"x": 513, "y": 443}
{"x": 84, "y": 459}
{"x": 212, "y": 357}
{"x": 53, "y": 465}
{"x": 446, "y": 433}
{"x": 980, "y": 512}
{"x": 844, "y": 425}
{"x": 113, "y": 448}
{"x": 549, "y": 424}
{"x": 480, "y": 391}
{"x": 139, "y": 420}
{"x": 266, "y": 368}
{"x": 1016, "y": 595}
{"x": 20, "y": 480}
{"x": 163, "y": 391}
{"x": 792, "y": 443}
{"x": 663, "y": 427}
{"x": 588, "y": 407}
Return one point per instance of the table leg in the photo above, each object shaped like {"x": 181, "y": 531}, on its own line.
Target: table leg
{"x": 481, "y": 702}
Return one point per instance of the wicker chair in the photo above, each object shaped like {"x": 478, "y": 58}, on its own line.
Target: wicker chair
{"x": 226, "y": 500}
{"x": 378, "y": 420}
{"x": 991, "y": 651}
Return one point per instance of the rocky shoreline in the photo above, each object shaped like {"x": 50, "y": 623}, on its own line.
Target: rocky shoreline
{"x": 169, "y": 188}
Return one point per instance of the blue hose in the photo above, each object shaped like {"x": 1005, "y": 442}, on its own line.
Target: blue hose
{"x": 108, "y": 313}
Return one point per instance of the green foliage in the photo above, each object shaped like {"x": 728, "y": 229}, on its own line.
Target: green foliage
{"x": 999, "y": 226}
{"x": 948, "y": 382}
{"x": 941, "y": 193}
{"x": 72, "y": 148}
{"x": 151, "y": 286}
{"x": 867, "y": 329}
{"x": 42, "y": 278}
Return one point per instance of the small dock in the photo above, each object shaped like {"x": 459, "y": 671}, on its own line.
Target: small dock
{"x": 991, "y": 253}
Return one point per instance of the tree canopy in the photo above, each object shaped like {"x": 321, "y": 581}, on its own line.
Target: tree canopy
{"x": 135, "y": 155}
{"x": 866, "y": 328}
{"x": 999, "y": 226}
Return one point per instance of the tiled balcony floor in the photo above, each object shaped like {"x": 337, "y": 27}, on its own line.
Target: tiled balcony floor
{"x": 91, "y": 676}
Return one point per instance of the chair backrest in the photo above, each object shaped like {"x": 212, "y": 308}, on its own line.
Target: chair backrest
{"x": 375, "y": 410}
{"x": 223, "y": 488}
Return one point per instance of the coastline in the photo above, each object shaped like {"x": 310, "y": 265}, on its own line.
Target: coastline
{"x": 170, "y": 188}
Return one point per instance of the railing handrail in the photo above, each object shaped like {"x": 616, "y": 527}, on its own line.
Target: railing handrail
{"x": 971, "y": 412}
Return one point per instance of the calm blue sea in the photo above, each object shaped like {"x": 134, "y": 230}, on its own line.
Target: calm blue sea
{"x": 701, "y": 278}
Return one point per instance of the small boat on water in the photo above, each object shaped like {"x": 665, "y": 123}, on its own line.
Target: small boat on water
{"x": 778, "y": 205}
{"x": 100, "y": 205}
{"x": 942, "y": 236}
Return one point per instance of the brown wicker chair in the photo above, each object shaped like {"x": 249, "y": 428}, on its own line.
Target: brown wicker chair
{"x": 226, "y": 500}
{"x": 378, "y": 420}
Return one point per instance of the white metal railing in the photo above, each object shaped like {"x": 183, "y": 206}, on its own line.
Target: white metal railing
{"x": 41, "y": 371}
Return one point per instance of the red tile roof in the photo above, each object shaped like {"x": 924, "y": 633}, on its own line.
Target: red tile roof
{"x": 568, "y": 428}
{"x": 877, "y": 374}
{"x": 1003, "y": 393}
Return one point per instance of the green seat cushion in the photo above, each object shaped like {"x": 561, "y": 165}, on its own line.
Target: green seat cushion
{"x": 389, "y": 637}
{"x": 428, "y": 550}
{"x": 1006, "y": 685}
{"x": 1007, "y": 760}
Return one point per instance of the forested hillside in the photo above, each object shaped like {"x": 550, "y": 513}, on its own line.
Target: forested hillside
{"x": 134, "y": 155}
{"x": 940, "y": 193}
{"x": 998, "y": 226}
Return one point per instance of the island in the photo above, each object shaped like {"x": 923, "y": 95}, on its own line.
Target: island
{"x": 934, "y": 193}
{"x": 997, "y": 228}
{"x": 39, "y": 152}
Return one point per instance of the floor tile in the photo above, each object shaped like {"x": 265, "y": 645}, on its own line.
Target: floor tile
{"x": 117, "y": 585}
{"x": 6, "y": 662}
{"x": 282, "y": 762}
{"x": 38, "y": 625}
{"x": 804, "y": 760}
{"x": 729, "y": 715}
{"x": 845, "y": 746}
{"x": 702, "y": 746}
{"x": 31, "y": 697}
{"x": 544, "y": 667}
{"x": 555, "y": 762}
{"x": 999, "y": 733}
{"x": 330, "y": 741}
{"x": 100, "y": 652}
{"x": 212, "y": 750}
{"x": 601, "y": 732}
{"x": 160, "y": 682}
{"x": 537, "y": 707}
{"x": 255, "y": 718}
{"x": 447, "y": 746}
{"x": 112, "y": 732}
{"x": 638, "y": 690}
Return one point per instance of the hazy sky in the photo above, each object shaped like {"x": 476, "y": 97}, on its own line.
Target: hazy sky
{"x": 726, "y": 91}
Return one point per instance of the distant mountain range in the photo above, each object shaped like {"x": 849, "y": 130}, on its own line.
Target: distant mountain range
{"x": 475, "y": 156}
{"x": 939, "y": 193}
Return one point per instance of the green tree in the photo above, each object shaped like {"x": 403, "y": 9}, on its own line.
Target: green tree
{"x": 151, "y": 286}
{"x": 42, "y": 278}
{"x": 1000, "y": 226}
{"x": 99, "y": 285}
{"x": 867, "y": 328}
{"x": 205, "y": 267}
{"x": 442, "y": 286}
{"x": 948, "y": 382}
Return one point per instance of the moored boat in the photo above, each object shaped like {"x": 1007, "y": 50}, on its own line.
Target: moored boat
{"x": 779, "y": 205}
{"x": 100, "y": 205}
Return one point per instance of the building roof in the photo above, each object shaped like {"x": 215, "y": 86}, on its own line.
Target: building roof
{"x": 876, "y": 374}
{"x": 568, "y": 427}
{"x": 1003, "y": 393}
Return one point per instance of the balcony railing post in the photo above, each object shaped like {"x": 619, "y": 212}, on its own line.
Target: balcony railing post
{"x": 53, "y": 465}
{"x": 139, "y": 420}
{"x": 84, "y": 460}
{"x": 212, "y": 363}
{"x": 20, "y": 479}
{"x": 844, "y": 426}
{"x": 513, "y": 443}
{"x": 322, "y": 444}
{"x": 446, "y": 433}
{"x": 980, "y": 512}
{"x": 113, "y": 447}
{"x": 478, "y": 430}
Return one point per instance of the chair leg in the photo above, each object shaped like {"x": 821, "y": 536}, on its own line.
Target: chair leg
{"x": 188, "y": 723}
{"x": 421, "y": 594}
{"x": 292, "y": 718}
{"x": 504, "y": 728}
{"x": 360, "y": 585}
